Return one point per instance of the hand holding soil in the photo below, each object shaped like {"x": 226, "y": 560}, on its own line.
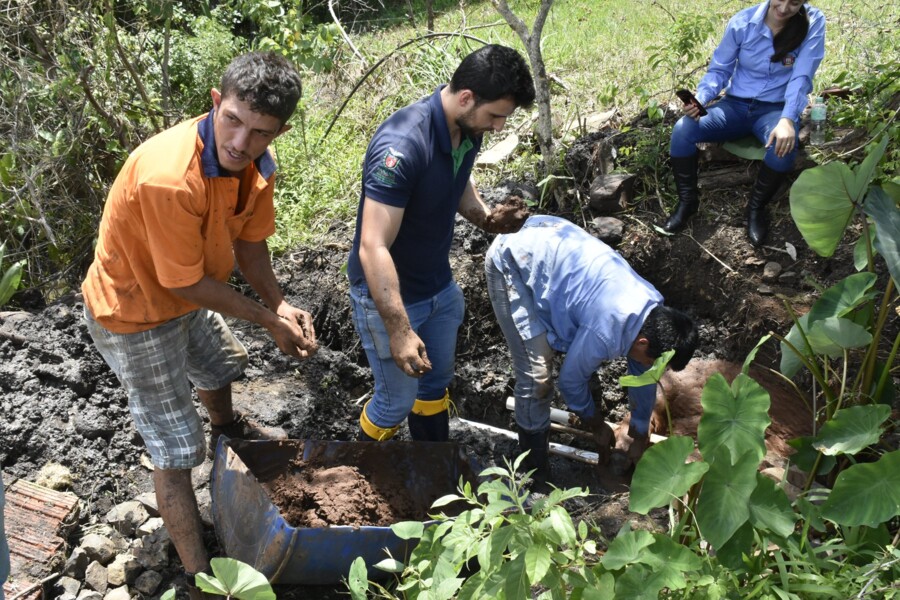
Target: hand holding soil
{"x": 507, "y": 216}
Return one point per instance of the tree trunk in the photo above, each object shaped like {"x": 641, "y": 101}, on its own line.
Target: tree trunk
{"x": 532, "y": 42}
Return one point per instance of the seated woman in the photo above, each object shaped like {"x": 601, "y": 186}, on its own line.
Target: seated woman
{"x": 765, "y": 63}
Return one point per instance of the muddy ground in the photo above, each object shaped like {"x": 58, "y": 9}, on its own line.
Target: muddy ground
{"x": 61, "y": 404}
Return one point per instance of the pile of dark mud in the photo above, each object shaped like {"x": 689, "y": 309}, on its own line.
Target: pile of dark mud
{"x": 61, "y": 405}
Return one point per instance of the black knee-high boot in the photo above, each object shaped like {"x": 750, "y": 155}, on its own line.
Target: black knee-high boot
{"x": 767, "y": 183}
{"x": 684, "y": 169}
{"x": 538, "y": 445}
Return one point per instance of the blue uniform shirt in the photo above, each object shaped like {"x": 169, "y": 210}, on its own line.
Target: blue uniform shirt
{"x": 743, "y": 59}
{"x": 409, "y": 164}
{"x": 566, "y": 283}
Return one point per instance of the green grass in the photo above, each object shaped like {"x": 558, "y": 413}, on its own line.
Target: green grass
{"x": 598, "y": 52}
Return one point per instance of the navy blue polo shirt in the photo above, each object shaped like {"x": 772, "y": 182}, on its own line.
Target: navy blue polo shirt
{"x": 409, "y": 164}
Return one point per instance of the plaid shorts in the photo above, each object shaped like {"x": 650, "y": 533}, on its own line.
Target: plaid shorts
{"x": 156, "y": 368}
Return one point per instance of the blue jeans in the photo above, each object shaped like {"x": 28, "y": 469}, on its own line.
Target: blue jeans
{"x": 4, "y": 547}
{"x": 729, "y": 119}
{"x": 436, "y": 321}
{"x": 533, "y": 364}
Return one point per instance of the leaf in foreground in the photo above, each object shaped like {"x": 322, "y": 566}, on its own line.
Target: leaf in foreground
{"x": 866, "y": 494}
{"x": 662, "y": 474}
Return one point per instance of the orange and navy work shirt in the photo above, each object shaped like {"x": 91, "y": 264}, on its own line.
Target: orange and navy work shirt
{"x": 170, "y": 218}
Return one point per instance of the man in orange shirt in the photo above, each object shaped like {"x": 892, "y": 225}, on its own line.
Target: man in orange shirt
{"x": 185, "y": 205}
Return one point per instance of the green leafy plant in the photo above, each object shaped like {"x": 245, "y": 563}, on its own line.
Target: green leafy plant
{"x": 11, "y": 277}
{"x": 500, "y": 547}
{"x": 848, "y": 320}
{"x": 233, "y": 579}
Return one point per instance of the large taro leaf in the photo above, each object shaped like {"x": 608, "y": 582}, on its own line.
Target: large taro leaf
{"x": 734, "y": 416}
{"x": 836, "y": 301}
{"x": 747, "y": 147}
{"x": 770, "y": 508}
{"x": 866, "y": 493}
{"x": 884, "y": 212}
{"x": 834, "y": 335}
{"x": 821, "y": 205}
{"x": 805, "y": 456}
{"x": 724, "y": 503}
{"x": 662, "y": 475}
{"x": 852, "y": 429}
{"x": 626, "y": 549}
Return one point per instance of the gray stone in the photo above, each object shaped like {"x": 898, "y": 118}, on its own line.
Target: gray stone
{"x": 787, "y": 277}
{"x": 120, "y": 593}
{"x": 609, "y": 229}
{"x": 77, "y": 563}
{"x": 124, "y": 569}
{"x": 610, "y": 194}
{"x": 771, "y": 271}
{"x": 89, "y": 595}
{"x": 152, "y": 551}
{"x": 95, "y": 577}
{"x": 99, "y": 548}
{"x": 765, "y": 290}
{"x": 65, "y": 596}
{"x": 67, "y": 586}
{"x": 147, "y": 582}
{"x": 149, "y": 526}
{"x": 127, "y": 517}
{"x": 148, "y": 499}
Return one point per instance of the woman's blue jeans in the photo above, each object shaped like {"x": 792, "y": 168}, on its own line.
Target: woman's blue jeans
{"x": 436, "y": 321}
{"x": 729, "y": 119}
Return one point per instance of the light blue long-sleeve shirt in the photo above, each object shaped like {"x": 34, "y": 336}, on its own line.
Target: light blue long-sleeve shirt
{"x": 566, "y": 283}
{"x": 741, "y": 63}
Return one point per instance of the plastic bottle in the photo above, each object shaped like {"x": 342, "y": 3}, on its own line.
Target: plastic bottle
{"x": 817, "y": 122}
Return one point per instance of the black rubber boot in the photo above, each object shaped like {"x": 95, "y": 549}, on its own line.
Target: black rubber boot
{"x": 433, "y": 428}
{"x": 362, "y": 436}
{"x": 538, "y": 445}
{"x": 768, "y": 181}
{"x": 684, "y": 169}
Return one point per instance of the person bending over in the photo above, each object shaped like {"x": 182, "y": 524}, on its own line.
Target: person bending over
{"x": 557, "y": 289}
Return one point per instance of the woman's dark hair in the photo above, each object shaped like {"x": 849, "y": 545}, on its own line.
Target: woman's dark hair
{"x": 792, "y": 35}
{"x": 266, "y": 81}
{"x": 668, "y": 328}
{"x": 494, "y": 72}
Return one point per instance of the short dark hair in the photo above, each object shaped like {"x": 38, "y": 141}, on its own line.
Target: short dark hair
{"x": 494, "y": 72}
{"x": 791, "y": 36}
{"x": 267, "y": 81}
{"x": 668, "y": 328}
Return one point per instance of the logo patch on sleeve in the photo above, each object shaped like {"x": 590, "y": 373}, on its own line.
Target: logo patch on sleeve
{"x": 788, "y": 61}
{"x": 392, "y": 158}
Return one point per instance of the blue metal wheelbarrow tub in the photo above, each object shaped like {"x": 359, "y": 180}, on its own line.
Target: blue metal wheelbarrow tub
{"x": 250, "y": 528}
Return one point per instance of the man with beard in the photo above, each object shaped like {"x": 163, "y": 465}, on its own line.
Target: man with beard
{"x": 416, "y": 178}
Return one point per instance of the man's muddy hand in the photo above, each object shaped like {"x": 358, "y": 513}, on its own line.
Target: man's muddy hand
{"x": 408, "y": 351}
{"x": 507, "y": 216}
{"x": 603, "y": 436}
{"x": 295, "y": 334}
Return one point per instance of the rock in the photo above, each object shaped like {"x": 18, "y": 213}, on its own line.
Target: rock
{"x": 610, "y": 194}
{"x": 499, "y": 152}
{"x": 149, "y": 526}
{"x": 77, "y": 563}
{"x": 127, "y": 517}
{"x": 89, "y": 595}
{"x": 98, "y": 548}
{"x": 771, "y": 271}
{"x": 609, "y": 229}
{"x": 93, "y": 423}
{"x": 67, "y": 586}
{"x": 95, "y": 577}
{"x": 120, "y": 593}
{"x": 147, "y": 582}
{"x": 148, "y": 499}
{"x": 65, "y": 596}
{"x": 152, "y": 551}
{"x": 787, "y": 277}
{"x": 765, "y": 290}
{"x": 124, "y": 569}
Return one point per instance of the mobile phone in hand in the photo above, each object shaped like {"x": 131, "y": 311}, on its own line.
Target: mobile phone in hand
{"x": 688, "y": 98}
